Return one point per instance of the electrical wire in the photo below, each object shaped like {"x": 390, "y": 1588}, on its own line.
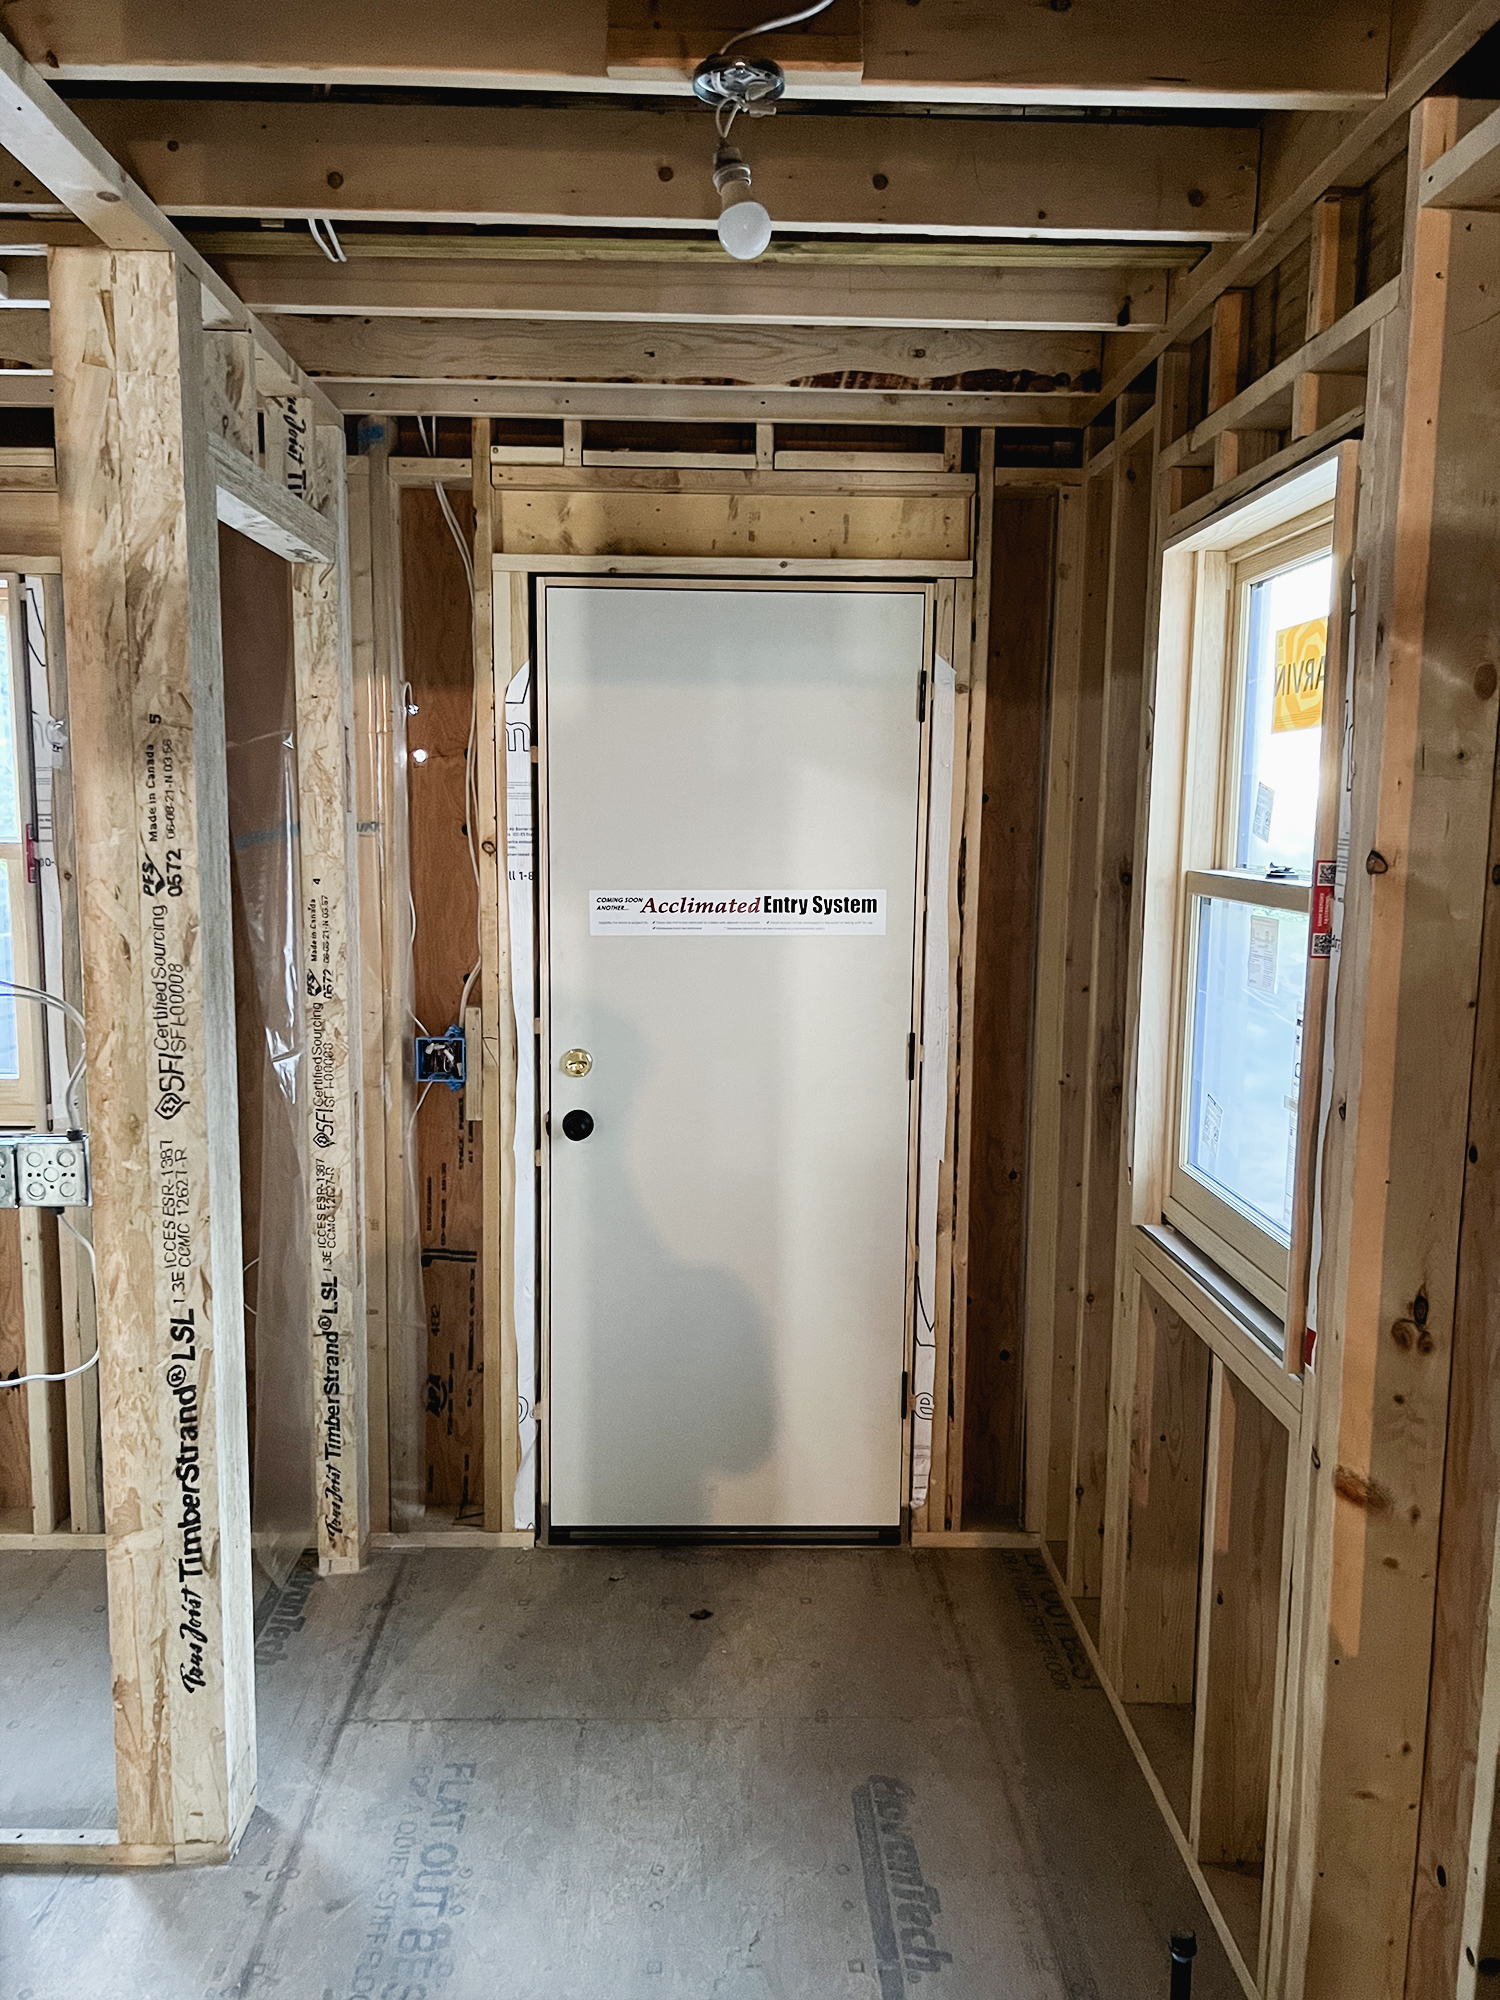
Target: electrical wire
{"x": 330, "y": 245}
{"x": 784, "y": 21}
{"x": 66, "y": 1374}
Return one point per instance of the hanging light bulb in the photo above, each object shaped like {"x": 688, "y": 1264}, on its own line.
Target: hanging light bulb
{"x": 744, "y": 227}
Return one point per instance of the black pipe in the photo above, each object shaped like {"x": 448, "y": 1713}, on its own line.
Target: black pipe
{"x": 1184, "y": 1951}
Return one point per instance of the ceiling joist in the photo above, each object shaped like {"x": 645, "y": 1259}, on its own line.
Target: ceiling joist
{"x": 616, "y": 166}
{"x": 729, "y": 356}
{"x": 1243, "y": 54}
{"x": 1080, "y": 301}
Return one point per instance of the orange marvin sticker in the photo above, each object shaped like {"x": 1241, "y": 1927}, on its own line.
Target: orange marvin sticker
{"x": 1301, "y": 657}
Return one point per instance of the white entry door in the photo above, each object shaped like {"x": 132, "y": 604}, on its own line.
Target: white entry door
{"x": 731, "y": 785}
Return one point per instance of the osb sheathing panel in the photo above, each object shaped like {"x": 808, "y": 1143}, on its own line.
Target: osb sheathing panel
{"x": 439, "y": 664}
{"x": 874, "y": 527}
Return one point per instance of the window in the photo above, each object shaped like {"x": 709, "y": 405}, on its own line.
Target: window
{"x": 22, "y": 1076}
{"x": 1249, "y": 828}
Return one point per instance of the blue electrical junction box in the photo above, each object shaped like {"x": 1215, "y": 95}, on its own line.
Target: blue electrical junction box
{"x": 440, "y": 1058}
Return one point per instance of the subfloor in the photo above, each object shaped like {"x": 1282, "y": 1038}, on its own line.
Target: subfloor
{"x": 628, "y": 1773}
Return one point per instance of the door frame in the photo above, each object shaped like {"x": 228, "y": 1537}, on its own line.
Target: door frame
{"x": 938, "y": 596}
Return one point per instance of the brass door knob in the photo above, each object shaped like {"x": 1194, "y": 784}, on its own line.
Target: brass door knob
{"x": 577, "y": 1062}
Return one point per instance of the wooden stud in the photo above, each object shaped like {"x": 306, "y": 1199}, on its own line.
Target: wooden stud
{"x": 1077, "y": 1039}
{"x": 765, "y": 446}
{"x": 371, "y": 760}
{"x": 1049, "y": 1359}
{"x": 497, "y": 1251}
{"x": 1332, "y": 272}
{"x": 515, "y": 1046}
{"x": 140, "y": 565}
{"x": 41, "y": 1306}
{"x": 406, "y": 1326}
{"x": 971, "y": 634}
{"x": 323, "y": 667}
{"x": 1112, "y": 879}
{"x": 933, "y": 1516}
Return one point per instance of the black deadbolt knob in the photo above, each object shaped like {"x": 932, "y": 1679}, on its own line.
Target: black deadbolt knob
{"x": 578, "y": 1124}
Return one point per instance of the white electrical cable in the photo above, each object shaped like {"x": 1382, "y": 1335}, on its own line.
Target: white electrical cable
{"x": 67, "y": 1374}
{"x": 46, "y": 999}
{"x": 769, "y": 27}
{"x": 330, "y": 245}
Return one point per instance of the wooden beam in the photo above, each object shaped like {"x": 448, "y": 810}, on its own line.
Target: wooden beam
{"x": 511, "y": 350}
{"x": 140, "y": 572}
{"x": 1111, "y": 53}
{"x": 249, "y": 500}
{"x": 323, "y": 665}
{"x": 1085, "y": 298}
{"x": 1468, "y": 174}
{"x": 683, "y": 405}
{"x": 616, "y": 166}
{"x": 642, "y": 47}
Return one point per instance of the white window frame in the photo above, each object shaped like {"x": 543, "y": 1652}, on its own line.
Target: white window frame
{"x": 23, "y": 1100}
{"x": 1255, "y": 1256}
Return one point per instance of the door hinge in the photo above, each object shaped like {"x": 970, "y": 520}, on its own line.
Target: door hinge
{"x": 911, "y": 1058}
{"x": 905, "y": 1388}
{"x": 922, "y": 695}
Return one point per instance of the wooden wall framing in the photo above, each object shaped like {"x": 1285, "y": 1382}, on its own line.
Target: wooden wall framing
{"x": 148, "y": 389}
{"x": 1264, "y": 1620}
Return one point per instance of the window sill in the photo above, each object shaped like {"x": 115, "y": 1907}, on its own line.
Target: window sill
{"x": 1245, "y": 1335}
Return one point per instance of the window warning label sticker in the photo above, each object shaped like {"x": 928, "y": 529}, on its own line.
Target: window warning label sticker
{"x": 831, "y": 912}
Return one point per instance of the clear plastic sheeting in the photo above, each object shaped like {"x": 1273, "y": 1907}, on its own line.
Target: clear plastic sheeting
{"x": 520, "y": 862}
{"x": 406, "y": 1306}
{"x": 260, "y": 736}
{"x": 932, "y": 1128}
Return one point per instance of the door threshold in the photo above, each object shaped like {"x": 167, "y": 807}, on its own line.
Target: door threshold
{"x": 729, "y": 1537}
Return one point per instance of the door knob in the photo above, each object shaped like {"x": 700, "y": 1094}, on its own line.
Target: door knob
{"x": 578, "y": 1125}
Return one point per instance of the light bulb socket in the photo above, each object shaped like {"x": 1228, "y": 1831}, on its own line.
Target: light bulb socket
{"x": 731, "y": 175}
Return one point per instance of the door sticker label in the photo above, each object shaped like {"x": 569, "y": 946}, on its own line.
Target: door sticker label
{"x": 829, "y": 912}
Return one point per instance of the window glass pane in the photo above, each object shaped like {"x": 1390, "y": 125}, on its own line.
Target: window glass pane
{"x": 1287, "y": 645}
{"x": 1246, "y": 1056}
{"x": 10, "y": 1053}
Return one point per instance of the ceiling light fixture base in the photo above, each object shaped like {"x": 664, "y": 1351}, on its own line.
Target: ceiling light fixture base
{"x": 750, "y": 84}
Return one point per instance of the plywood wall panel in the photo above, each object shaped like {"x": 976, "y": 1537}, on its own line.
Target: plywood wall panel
{"x": 1005, "y": 932}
